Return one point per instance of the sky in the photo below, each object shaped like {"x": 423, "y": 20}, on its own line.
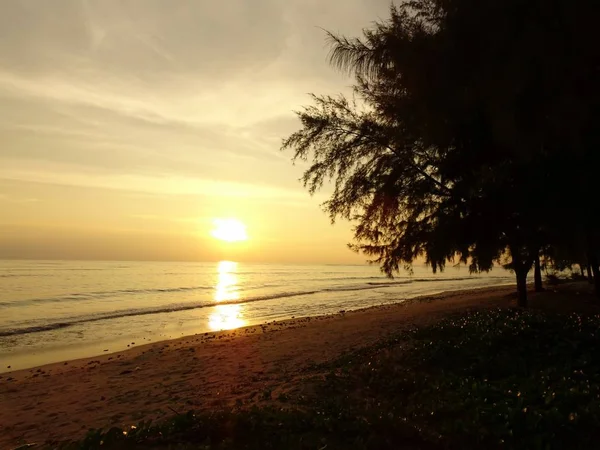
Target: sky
{"x": 128, "y": 126}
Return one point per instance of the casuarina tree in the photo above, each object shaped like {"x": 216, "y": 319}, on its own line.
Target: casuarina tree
{"x": 448, "y": 149}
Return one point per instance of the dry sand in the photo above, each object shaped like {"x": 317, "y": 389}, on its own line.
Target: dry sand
{"x": 211, "y": 370}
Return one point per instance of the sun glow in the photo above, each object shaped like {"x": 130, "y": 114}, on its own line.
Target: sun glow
{"x": 229, "y": 230}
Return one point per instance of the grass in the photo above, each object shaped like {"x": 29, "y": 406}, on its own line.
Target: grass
{"x": 491, "y": 379}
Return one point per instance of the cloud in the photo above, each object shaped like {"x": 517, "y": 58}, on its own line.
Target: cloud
{"x": 114, "y": 72}
{"x": 179, "y": 61}
{"x": 161, "y": 98}
{"x": 17, "y": 199}
{"x": 143, "y": 37}
{"x": 168, "y": 185}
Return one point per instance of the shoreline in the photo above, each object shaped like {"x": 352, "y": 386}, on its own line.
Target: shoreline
{"x": 25, "y": 358}
{"x": 204, "y": 371}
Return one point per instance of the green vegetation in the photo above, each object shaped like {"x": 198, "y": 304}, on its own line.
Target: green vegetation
{"x": 509, "y": 379}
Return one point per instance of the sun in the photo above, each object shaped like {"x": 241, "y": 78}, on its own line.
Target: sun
{"x": 229, "y": 230}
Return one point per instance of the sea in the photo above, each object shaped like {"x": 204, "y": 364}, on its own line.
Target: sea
{"x": 53, "y": 311}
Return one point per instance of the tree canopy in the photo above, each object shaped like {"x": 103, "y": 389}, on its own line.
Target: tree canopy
{"x": 469, "y": 123}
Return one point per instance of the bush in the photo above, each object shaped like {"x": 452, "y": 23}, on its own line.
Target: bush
{"x": 494, "y": 379}
{"x": 513, "y": 379}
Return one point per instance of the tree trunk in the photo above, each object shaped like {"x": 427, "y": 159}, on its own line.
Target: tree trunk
{"x": 596, "y": 272}
{"x": 581, "y": 269}
{"x": 593, "y": 261}
{"x": 537, "y": 275}
{"x": 589, "y": 273}
{"x": 521, "y": 273}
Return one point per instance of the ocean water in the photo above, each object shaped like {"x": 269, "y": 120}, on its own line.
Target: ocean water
{"x": 52, "y": 311}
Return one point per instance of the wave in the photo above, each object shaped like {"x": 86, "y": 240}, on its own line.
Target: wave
{"x": 36, "y": 329}
{"x": 197, "y": 305}
{"x": 103, "y": 294}
{"x": 142, "y": 312}
{"x": 21, "y": 275}
{"x": 186, "y": 307}
{"x": 367, "y": 284}
{"x": 57, "y": 268}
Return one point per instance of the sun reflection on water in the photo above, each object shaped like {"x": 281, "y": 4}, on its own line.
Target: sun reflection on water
{"x": 226, "y": 317}
{"x": 227, "y": 282}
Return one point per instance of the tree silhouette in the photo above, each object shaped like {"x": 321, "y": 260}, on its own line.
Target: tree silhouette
{"x": 461, "y": 123}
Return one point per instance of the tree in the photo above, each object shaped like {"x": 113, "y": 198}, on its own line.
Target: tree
{"x": 448, "y": 145}
{"x": 537, "y": 276}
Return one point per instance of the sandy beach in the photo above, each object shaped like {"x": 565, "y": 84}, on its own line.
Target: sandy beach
{"x": 211, "y": 370}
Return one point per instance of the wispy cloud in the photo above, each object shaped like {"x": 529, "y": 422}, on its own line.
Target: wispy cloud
{"x": 168, "y": 185}
{"x": 162, "y": 81}
{"x": 156, "y": 98}
{"x": 16, "y": 199}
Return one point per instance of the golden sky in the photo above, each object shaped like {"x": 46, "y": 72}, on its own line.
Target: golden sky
{"x": 127, "y": 127}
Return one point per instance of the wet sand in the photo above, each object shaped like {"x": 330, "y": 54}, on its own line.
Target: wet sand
{"x": 205, "y": 371}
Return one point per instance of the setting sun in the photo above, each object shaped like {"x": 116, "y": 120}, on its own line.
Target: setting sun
{"x": 229, "y": 230}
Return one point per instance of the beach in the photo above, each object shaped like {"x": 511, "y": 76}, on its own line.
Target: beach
{"x": 53, "y": 311}
{"x": 206, "y": 371}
